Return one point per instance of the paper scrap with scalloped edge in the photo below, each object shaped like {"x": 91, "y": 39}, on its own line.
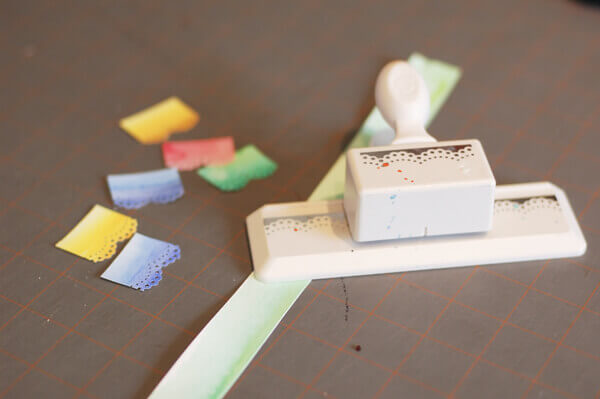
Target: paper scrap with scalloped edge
{"x": 140, "y": 263}
{"x": 192, "y": 154}
{"x": 134, "y": 190}
{"x": 96, "y": 236}
{"x": 156, "y": 123}
{"x": 249, "y": 164}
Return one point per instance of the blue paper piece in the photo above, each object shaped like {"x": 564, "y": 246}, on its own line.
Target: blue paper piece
{"x": 134, "y": 190}
{"x": 140, "y": 263}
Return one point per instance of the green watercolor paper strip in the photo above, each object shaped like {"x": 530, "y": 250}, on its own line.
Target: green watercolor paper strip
{"x": 219, "y": 354}
{"x": 222, "y": 350}
{"x": 249, "y": 164}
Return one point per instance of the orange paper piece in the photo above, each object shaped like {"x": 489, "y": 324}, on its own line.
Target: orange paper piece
{"x": 156, "y": 123}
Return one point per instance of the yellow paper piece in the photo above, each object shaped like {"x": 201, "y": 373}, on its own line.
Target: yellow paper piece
{"x": 156, "y": 123}
{"x": 96, "y": 236}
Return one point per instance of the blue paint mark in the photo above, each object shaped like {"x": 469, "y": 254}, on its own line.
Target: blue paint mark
{"x": 391, "y": 221}
{"x": 392, "y": 196}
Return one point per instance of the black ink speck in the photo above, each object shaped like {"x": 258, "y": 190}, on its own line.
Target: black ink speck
{"x": 346, "y": 299}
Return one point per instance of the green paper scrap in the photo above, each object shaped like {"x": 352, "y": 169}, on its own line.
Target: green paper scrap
{"x": 249, "y": 164}
{"x": 219, "y": 354}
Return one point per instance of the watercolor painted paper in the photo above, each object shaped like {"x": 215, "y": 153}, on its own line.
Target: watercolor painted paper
{"x": 192, "y": 154}
{"x": 96, "y": 236}
{"x": 134, "y": 190}
{"x": 140, "y": 263}
{"x": 228, "y": 343}
{"x": 249, "y": 164}
{"x": 156, "y": 123}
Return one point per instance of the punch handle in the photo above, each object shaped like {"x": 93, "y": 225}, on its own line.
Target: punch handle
{"x": 403, "y": 100}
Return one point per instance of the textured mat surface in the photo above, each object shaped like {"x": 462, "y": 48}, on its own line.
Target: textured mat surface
{"x": 296, "y": 81}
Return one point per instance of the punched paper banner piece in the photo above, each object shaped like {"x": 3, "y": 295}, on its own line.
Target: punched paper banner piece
{"x": 96, "y": 236}
{"x": 134, "y": 190}
{"x": 192, "y": 154}
{"x": 140, "y": 263}
{"x": 249, "y": 164}
{"x": 156, "y": 123}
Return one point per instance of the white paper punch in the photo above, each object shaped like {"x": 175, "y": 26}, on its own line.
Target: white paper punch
{"x": 415, "y": 187}
{"x": 414, "y": 205}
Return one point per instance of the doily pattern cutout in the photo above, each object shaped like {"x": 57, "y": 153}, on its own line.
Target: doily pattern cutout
{"x": 389, "y": 158}
{"x": 526, "y": 205}
{"x": 304, "y": 224}
{"x": 151, "y": 273}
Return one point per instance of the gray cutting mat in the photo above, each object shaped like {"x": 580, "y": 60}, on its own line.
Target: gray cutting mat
{"x": 296, "y": 80}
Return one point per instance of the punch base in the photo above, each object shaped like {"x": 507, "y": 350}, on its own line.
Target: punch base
{"x": 311, "y": 240}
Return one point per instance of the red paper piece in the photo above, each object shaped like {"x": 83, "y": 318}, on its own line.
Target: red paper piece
{"x": 192, "y": 154}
